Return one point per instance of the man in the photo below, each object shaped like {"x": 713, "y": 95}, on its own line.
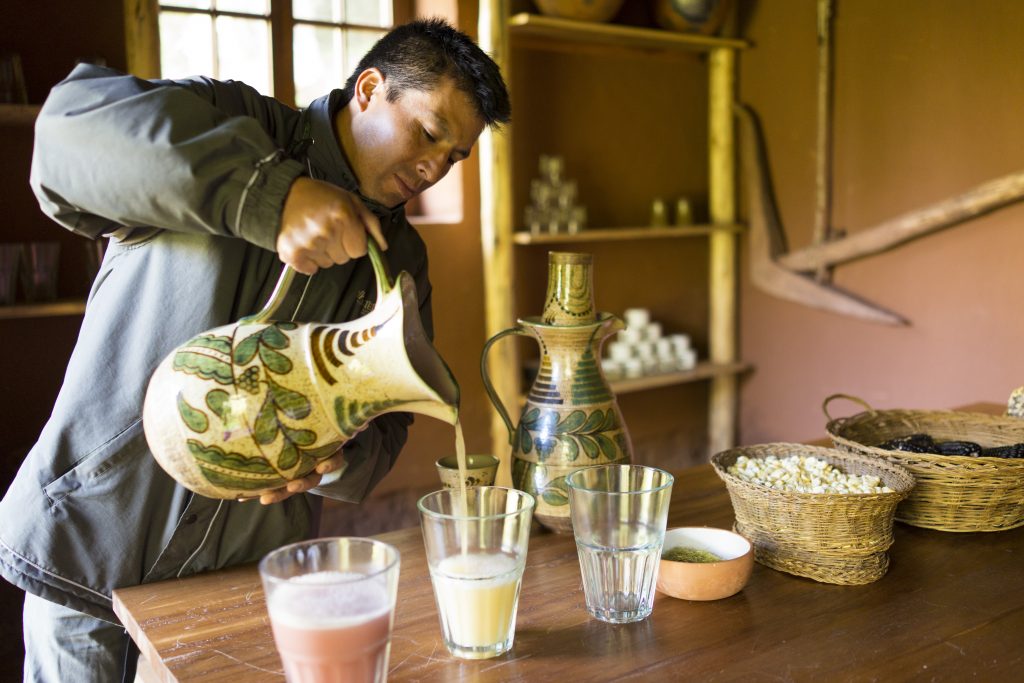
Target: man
{"x": 205, "y": 188}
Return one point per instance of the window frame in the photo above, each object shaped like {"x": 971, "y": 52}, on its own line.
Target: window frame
{"x": 142, "y": 40}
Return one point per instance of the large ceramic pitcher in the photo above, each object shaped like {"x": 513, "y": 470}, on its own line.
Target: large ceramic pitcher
{"x": 571, "y": 418}
{"x": 247, "y": 407}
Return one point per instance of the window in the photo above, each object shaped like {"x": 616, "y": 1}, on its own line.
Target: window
{"x": 296, "y": 51}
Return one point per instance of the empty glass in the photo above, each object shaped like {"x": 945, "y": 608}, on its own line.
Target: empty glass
{"x": 39, "y": 274}
{"x": 619, "y": 514}
{"x": 331, "y": 603}
{"x": 10, "y": 260}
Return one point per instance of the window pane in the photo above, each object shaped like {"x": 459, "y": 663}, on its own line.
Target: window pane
{"x": 368, "y": 12}
{"x": 318, "y": 67}
{"x": 260, "y": 7}
{"x": 186, "y": 44}
{"x": 196, "y": 4}
{"x": 244, "y": 51}
{"x": 317, "y": 10}
{"x": 357, "y": 44}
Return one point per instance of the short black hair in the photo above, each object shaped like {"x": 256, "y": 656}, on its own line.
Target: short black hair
{"x": 416, "y": 55}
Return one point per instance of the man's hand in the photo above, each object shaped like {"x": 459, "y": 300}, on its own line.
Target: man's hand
{"x": 310, "y": 481}
{"x": 323, "y": 225}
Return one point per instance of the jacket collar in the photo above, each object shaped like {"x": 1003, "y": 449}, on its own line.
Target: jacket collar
{"x": 324, "y": 153}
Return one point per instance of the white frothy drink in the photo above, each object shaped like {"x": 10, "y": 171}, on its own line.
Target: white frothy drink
{"x": 477, "y": 595}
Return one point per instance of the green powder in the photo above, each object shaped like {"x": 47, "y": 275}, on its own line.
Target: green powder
{"x": 684, "y": 554}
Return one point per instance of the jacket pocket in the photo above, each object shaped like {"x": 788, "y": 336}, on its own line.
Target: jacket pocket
{"x": 98, "y": 463}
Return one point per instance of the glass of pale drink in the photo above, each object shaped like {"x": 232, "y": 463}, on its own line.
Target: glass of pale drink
{"x": 476, "y": 550}
{"x": 331, "y": 603}
{"x": 618, "y": 516}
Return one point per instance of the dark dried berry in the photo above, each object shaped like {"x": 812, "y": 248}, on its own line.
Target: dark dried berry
{"x": 1014, "y": 451}
{"x": 958, "y": 448}
{"x": 915, "y": 443}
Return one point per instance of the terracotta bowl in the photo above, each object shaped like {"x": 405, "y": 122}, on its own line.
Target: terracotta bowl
{"x": 706, "y": 580}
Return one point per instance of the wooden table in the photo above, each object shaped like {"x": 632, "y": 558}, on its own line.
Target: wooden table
{"x": 950, "y": 608}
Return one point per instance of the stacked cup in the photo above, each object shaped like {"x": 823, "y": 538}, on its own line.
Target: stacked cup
{"x": 553, "y": 207}
{"x": 642, "y": 349}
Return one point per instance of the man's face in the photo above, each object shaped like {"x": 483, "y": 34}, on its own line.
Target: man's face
{"x": 403, "y": 147}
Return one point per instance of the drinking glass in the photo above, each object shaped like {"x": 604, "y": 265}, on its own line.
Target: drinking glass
{"x": 331, "y": 603}
{"x": 10, "y": 259}
{"x": 476, "y": 551}
{"x": 39, "y": 276}
{"x": 618, "y": 518}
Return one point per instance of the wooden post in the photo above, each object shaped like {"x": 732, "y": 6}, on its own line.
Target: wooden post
{"x": 142, "y": 37}
{"x": 496, "y": 239}
{"x": 722, "y": 267}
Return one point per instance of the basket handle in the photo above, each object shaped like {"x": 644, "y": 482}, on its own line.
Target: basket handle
{"x": 859, "y": 401}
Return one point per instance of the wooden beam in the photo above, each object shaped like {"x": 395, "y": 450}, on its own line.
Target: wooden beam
{"x": 496, "y": 241}
{"x": 722, "y": 267}
{"x": 142, "y": 37}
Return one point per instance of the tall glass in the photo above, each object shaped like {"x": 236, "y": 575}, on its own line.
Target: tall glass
{"x": 618, "y": 518}
{"x": 331, "y": 603}
{"x": 476, "y": 555}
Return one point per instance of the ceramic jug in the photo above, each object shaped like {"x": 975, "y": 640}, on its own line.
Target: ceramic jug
{"x": 571, "y": 418}
{"x": 245, "y": 408}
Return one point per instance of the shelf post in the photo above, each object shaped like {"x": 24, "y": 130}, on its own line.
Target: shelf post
{"x": 722, "y": 267}
{"x": 496, "y": 240}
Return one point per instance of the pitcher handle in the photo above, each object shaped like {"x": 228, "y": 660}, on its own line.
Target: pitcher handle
{"x": 284, "y": 282}
{"x": 491, "y": 393}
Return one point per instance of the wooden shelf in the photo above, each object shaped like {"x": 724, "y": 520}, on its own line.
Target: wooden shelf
{"x": 702, "y": 371}
{"x": 49, "y": 309}
{"x": 623, "y": 234}
{"x": 567, "y": 30}
{"x": 19, "y": 114}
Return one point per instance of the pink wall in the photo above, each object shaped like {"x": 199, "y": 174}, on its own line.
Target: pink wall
{"x": 929, "y": 98}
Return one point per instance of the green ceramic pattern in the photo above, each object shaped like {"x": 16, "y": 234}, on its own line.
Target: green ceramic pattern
{"x": 234, "y": 469}
{"x": 578, "y": 433}
{"x": 351, "y": 414}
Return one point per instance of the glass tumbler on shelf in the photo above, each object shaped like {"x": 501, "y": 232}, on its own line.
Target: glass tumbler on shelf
{"x": 476, "y": 551}
{"x": 619, "y": 513}
{"x": 331, "y": 603}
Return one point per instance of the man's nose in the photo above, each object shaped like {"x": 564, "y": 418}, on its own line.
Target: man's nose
{"x": 432, "y": 167}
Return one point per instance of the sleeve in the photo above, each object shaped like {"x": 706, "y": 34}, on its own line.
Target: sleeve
{"x": 201, "y": 156}
{"x": 374, "y": 451}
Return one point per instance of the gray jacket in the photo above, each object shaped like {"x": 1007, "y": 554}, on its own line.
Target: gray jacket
{"x": 190, "y": 178}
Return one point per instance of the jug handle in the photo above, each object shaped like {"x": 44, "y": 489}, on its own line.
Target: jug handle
{"x": 284, "y": 282}
{"x": 491, "y": 393}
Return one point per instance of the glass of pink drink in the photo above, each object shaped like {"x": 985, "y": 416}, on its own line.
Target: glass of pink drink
{"x": 331, "y": 603}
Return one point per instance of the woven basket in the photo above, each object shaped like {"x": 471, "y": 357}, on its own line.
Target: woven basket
{"x": 828, "y": 537}
{"x": 953, "y": 492}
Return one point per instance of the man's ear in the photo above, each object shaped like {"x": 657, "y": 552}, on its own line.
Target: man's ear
{"x": 370, "y": 83}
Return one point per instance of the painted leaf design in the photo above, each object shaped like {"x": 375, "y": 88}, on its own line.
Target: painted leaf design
{"x": 589, "y": 446}
{"x": 520, "y": 468}
{"x": 594, "y": 422}
{"x": 275, "y": 361}
{"x": 572, "y": 422}
{"x": 273, "y": 338}
{"x": 286, "y": 325}
{"x": 246, "y": 349}
{"x": 207, "y": 367}
{"x": 216, "y": 400}
{"x": 265, "y": 429}
{"x": 554, "y": 498}
{"x": 607, "y": 446}
{"x": 195, "y": 420}
{"x": 529, "y": 418}
{"x": 560, "y": 484}
{"x": 299, "y": 437}
{"x": 291, "y": 403}
{"x": 544, "y": 447}
{"x": 571, "y": 450}
{"x": 288, "y": 457}
{"x": 220, "y": 344}
{"x": 525, "y": 440}
{"x": 620, "y": 439}
{"x": 234, "y": 470}
{"x": 611, "y": 421}
{"x": 325, "y": 451}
